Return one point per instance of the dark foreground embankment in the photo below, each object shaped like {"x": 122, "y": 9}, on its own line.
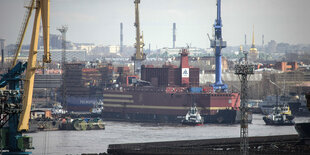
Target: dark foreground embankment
{"x": 284, "y": 144}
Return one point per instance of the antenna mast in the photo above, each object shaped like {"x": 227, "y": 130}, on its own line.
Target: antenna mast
{"x": 63, "y": 30}
{"x": 243, "y": 70}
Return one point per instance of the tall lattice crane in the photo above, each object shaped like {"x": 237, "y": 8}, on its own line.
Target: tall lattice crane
{"x": 139, "y": 56}
{"x": 244, "y": 70}
{"x": 217, "y": 43}
{"x": 19, "y": 114}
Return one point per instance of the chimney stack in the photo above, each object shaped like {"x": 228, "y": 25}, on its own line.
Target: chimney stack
{"x": 174, "y": 35}
{"x": 2, "y": 50}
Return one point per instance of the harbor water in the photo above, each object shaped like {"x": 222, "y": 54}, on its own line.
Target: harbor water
{"x": 97, "y": 141}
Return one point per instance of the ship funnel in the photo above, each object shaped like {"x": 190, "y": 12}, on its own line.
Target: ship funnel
{"x": 184, "y": 67}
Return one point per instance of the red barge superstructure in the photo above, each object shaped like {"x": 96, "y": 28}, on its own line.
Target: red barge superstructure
{"x": 162, "y": 95}
{"x": 166, "y": 94}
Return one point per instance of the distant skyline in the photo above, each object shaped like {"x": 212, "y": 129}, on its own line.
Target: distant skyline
{"x": 98, "y": 21}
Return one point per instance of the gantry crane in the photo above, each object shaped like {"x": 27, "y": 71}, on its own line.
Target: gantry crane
{"x": 139, "y": 56}
{"x": 19, "y": 114}
{"x": 217, "y": 43}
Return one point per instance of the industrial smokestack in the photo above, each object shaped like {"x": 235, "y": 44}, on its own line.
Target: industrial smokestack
{"x": 121, "y": 38}
{"x": 263, "y": 41}
{"x": 244, "y": 40}
{"x": 2, "y": 50}
{"x": 174, "y": 36}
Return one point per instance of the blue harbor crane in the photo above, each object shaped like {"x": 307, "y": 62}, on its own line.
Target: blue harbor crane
{"x": 217, "y": 43}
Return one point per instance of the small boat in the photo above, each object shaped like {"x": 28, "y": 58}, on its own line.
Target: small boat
{"x": 82, "y": 124}
{"x": 296, "y": 103}
{"x": 193, "y": 117}
{"x": 58, "y": 109}
{"x": 98, "y": 108}
{"x": 270, "y": 102}
{"x": 281, "y": 115}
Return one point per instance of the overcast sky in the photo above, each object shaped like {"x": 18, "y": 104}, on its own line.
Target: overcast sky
{"x": 98, "y": 21}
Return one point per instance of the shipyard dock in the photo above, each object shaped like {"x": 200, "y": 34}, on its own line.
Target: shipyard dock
{"x": 283, "y": 144}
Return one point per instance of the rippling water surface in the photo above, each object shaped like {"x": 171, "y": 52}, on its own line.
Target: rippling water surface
{"x": 97, "y": 141}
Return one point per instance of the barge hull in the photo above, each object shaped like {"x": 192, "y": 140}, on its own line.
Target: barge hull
{"x": 224, "y": 116}
{"x": 157, "y": 105}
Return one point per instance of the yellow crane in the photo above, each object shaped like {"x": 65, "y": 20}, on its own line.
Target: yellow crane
{"x": 139, "y": 56}
{"x": 42, "y": 12}
{"x": 15, "y": 113}
{"x": 23, "y": 30}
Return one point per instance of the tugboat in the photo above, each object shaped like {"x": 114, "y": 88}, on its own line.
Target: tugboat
{"x": 58, "y": 109}
{"x": 193, "y": 117}
{"x": 98, "y": 108}
{"x": 281, "y": 115}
